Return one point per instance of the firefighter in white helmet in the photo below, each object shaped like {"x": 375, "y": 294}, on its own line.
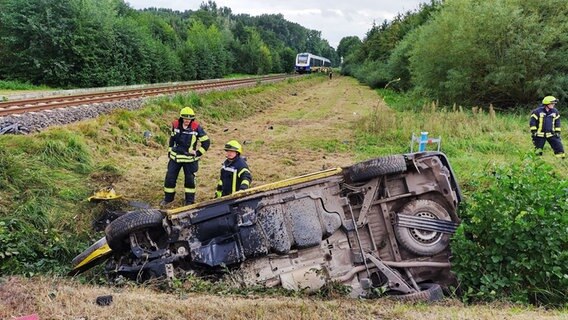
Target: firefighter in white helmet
{"x": 545, "y": 126}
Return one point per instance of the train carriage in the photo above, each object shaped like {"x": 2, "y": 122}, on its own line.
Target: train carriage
{"x": 308, "y": 63}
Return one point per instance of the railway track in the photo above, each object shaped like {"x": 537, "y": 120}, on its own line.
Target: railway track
{"x": 23, "y": 106}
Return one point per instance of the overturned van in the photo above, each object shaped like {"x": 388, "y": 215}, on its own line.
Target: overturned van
{"x": 383, "y": 223}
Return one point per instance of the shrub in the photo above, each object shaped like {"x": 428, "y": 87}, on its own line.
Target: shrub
{"x": 513, "y": 240}
{"x": 17, "y": 85}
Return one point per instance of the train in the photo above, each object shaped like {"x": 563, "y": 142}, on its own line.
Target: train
{"x": 308, "y": 63}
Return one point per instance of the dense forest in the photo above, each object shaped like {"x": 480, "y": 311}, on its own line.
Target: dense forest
{"x": 92, "y": 43}
{"x": 470, "y": 52}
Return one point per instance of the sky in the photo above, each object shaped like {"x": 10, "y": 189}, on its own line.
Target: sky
{"x": 335, "y": 19}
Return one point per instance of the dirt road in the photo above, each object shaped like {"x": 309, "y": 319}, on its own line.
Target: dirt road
{"x": 288, "y": 138}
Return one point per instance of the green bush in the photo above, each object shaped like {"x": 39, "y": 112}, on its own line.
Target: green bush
{"x": 513, "y": 241}
{"x": 467, "y": 52}
{"x": 17, "y": 85}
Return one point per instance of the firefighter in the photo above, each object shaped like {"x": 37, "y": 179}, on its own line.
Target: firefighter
{"x": 184, "y": 153}
{"x": 545, "y": 126}
{"x": 235, "y": 174}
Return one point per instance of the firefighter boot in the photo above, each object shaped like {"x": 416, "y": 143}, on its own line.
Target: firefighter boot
{"x": 168, "y": 199}
{"x": 189, "y": 198}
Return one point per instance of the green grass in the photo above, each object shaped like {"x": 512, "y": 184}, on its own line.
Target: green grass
{"x": 237, "y": 75}
{"x": 473, "y": 138}
{"x": 8, "y": 88}
{"x": 44, "y": 179}
{"x": 328, "y": 145}
{"x": 16, "y": 85}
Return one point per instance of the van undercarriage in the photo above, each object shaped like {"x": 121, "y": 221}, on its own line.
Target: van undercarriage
{"x": 383, "y": 223}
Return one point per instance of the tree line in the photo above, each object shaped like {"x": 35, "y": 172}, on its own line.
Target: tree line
{"x": 93, "y": 43}
{"x": 504, "y": 52}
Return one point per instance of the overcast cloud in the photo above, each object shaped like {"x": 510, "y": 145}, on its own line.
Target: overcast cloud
{"x": 334, "y": 18}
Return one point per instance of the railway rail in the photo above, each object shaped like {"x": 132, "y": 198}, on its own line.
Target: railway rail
{"x": 23, "y": 106}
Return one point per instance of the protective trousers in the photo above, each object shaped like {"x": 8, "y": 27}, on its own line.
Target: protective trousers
{"x": 189, "y": 170}
{"x": 554, "y": 141}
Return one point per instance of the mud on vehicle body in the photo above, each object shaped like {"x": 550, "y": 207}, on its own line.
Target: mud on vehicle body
{"x": 383, "y": 223}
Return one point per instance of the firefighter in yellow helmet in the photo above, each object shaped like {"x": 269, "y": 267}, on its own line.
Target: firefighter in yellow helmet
{"x": 235, "y": 174}
{"x": 184, "y": 152}
{"x": 545, "y": 126}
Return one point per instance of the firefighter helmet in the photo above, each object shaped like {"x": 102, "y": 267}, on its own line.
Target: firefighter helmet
{"x": 549, "y": 99}
{"x": 234, "y": 145}
{"x": 187, "y": 113}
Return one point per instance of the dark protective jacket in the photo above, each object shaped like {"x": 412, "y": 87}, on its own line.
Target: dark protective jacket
{"x": 183, "y": 140}
{"x": 544, "y": 123}
{"x": 235, "y": 175}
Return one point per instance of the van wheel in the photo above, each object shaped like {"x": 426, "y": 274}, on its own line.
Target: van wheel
{"x": 422, "y": 242}
{"x": 429, "y": 292}
{"x": 118, "y": 230}
{"x": 375, "y": 167}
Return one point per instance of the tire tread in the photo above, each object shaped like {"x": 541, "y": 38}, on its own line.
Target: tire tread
{"x": 132, "y": 221}
{"x": 376, "y": 167}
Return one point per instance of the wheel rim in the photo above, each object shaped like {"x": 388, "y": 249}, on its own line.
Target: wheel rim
{"x": 423, "y": 236}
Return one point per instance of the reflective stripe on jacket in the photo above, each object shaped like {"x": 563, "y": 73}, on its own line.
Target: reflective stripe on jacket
{"x": 235, "y": 175}
{"x": 545, "y": 123}
{"x": 182, "y": 140}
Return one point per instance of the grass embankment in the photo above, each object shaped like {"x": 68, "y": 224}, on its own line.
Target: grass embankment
{"x": 287, "y": 129}
{"x": 14, "y": 87}
{"x": 46, "y": 177}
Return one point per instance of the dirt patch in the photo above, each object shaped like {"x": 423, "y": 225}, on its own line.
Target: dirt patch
{"x": 283, "y": 138}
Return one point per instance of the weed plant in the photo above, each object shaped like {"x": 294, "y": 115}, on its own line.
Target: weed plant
{"x": 40, "y": 181}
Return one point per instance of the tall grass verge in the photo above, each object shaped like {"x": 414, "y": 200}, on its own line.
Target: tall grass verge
{"x": 40, "y": 179}
{"x": 473, "y": 138}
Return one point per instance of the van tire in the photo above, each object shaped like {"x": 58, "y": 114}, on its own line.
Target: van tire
{"x": 117, "y": 231}
{"x": 376, "y": 167}
{"x": 423, "y": 243}
{"x": 429, "y": 292}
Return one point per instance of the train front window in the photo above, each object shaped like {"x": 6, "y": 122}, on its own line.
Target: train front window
{"x": 303, "y": 58}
